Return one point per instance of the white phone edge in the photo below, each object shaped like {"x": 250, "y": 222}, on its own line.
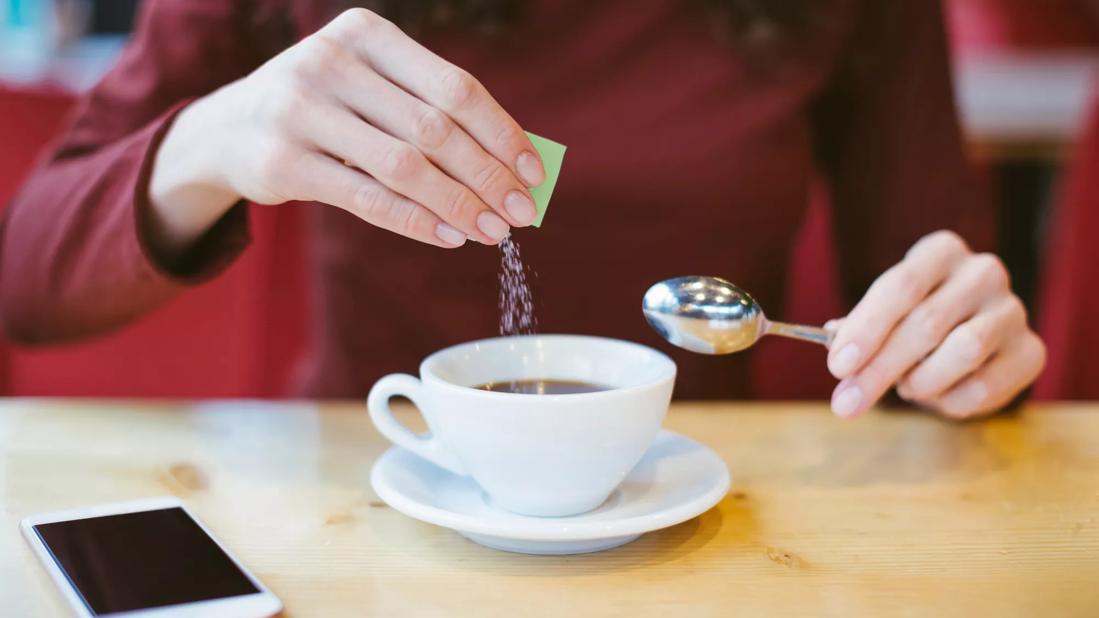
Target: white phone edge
{"x": 258, "y": 605}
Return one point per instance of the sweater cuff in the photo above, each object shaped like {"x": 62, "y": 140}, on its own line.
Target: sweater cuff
{"x": 212, "y": 253}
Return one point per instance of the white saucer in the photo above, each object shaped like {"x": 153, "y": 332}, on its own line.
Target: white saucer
{"x": 676, "y": 480}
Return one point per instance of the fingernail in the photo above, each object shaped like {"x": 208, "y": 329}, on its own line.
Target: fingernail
{"x": 847, "y": 359}
{"x": 520, "y": 208}
{"x": 847, "y": 401}
{"x": 530, "y": 169}
{"x": 831, "y": 324}
{"x": 450, "y": 235}
{"x": 492, "y": 226}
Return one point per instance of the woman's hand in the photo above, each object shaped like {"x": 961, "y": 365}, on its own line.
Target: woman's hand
{"x": 358, "y": 116}
{"x": 942, "y": 326}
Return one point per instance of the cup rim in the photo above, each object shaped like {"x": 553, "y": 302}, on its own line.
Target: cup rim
{"x": 667, "y": 372}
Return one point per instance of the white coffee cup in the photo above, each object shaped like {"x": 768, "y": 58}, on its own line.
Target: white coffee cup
{"x": 544, "y": 455}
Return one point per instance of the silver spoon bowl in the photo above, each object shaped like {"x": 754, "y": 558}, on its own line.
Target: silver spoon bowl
{"x": 710, "y": 315}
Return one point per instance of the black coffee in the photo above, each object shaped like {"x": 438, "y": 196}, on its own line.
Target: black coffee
{"x": 542, "y": 387}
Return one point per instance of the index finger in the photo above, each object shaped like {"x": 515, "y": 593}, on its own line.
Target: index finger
{"x": 890, "y": 298}
{"x": 452, "y": 90}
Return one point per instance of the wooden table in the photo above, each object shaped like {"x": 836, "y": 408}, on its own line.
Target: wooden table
{"x": 893, "y": 514}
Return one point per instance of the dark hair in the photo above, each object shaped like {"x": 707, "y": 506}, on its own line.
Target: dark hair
{"x": 769, "y": 27}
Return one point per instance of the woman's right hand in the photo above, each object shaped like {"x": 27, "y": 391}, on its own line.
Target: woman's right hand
{"x": 359, "y": 116}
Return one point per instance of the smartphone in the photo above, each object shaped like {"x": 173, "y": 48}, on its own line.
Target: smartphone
{"x": 144, "y": 558}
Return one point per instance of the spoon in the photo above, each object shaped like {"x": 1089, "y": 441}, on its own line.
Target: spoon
{"x": 709, "y": 315}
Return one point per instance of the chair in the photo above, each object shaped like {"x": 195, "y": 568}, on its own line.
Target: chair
{"x": 1069, "y": 299}
{"x": 237, "y": 336}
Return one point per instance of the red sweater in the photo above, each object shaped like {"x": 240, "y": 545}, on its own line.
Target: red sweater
{"x": 683, "y": 158}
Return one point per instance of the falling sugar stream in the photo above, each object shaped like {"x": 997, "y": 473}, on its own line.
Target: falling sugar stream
{"x": 516, "y": 301}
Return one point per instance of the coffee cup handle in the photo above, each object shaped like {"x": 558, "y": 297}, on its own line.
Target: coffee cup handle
{"x": 425, "y": 445}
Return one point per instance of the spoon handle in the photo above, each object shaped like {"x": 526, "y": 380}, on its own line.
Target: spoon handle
{"x": 798, "y": 331}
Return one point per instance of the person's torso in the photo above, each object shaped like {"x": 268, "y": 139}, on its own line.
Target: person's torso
{"x": 682, "y": 159}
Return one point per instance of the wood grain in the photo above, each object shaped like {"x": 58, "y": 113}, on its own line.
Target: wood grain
{"x": 893, "y": 514}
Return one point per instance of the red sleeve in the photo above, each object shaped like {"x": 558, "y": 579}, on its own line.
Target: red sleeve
{"x": 888, "y": 140}
{"x": 73, "y": 257}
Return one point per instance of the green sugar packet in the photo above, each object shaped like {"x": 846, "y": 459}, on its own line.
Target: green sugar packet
{"x": 553, "y": 154}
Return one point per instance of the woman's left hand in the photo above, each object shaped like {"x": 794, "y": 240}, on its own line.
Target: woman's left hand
{"x": 944, "y": 327}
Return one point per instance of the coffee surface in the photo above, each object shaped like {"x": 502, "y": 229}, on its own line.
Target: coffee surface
{"x": 542, "y": 387}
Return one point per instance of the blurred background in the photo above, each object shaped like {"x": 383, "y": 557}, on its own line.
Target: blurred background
{"x": 1024, "y": 85}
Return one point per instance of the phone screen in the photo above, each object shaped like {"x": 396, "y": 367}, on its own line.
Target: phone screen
{"x": 142, "y": 560}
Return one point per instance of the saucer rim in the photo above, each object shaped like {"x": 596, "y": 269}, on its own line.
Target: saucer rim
{"x": 570, "y": 528}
